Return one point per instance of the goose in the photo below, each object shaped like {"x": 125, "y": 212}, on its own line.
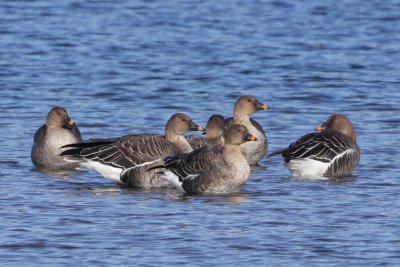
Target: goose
{"x": 216, "y": 169}
{"x": 126, "y": 159}
{"x": 332, "y": 151}
{"x": 59, "y": 130}
{"x": 214, "y": 133}
{"x": 243, "y": 108}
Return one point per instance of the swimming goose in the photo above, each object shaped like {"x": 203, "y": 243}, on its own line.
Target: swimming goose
{"x": 244, "y": 107}
{"x": 127, "y": 158}
{"x": 330, "y": 152}
{"x": 59, "y": 130}
{"x": 214, "y": 133}
{"x": 219, "y": 169}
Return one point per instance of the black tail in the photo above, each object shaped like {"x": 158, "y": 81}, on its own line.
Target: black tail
{"x": 91, "y": 143}
{"x": 72, "y": 151}
{"x": 278, "y": 152}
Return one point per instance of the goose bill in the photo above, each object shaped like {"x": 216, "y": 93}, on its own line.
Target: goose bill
{"x": 262, "y": 106}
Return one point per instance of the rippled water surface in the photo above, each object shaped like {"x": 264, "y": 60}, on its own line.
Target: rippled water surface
{"x": 124, "y": 67}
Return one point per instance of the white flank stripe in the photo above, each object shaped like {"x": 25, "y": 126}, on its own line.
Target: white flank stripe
{"x": 108, "y": 172}
{"x": 73, "y": 159}
{"x": 146, "y": 163}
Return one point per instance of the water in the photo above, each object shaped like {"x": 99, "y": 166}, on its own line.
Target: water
{"x": 125, "y": 67}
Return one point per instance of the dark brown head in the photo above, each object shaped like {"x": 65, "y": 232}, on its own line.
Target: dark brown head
{"x": 247, "y": 105}
{"x": 215, "y": 127}
{"x": 338, "y": 123}
{"x": 237, "y": 134}
{"x": 58, "y": 117}
{"x": 181, "y": 123}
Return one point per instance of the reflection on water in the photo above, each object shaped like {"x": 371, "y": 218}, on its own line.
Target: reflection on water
{"x": 61, "y": 174}
{"x": 233, "y": 198}
{"x": 9, "y": 162}
{"x": 258, "y": 168}
{"x": 330, "y": 180}
{"x": 106, "y": 189}
{"x": 343, "y": 180}
{"x": 237, "y": 198}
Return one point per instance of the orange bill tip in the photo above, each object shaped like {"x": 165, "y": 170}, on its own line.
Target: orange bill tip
{"x": 264, "y": 106}
{"x": 251, "y": 138}
{"x": 71, "y": 122}
{"x": 320, "y": 128}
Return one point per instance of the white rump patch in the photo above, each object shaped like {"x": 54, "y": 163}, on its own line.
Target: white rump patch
{"x": 108, "y": 172}
{"x": 307, "y": 168}
{"x": 173, "y": 179}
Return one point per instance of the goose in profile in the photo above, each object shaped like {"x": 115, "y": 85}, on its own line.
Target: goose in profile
{"x": 126, "y": 159}
{"x": 243, "y": 108}
{"x": 332, "y": 151}
{"x": 219, "y": 169}
{"x": 59, "y": 130}
{"x": 214, "y": 133}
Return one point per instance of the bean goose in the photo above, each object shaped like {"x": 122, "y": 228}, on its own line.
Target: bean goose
{"x": 220, "y": 169}
{"x": 59, "y": 130}
{"x": 214, "y": 133}
{"x": 330, "y": 152}
{"x": 244, "y": 107}
{"x": 127, "y": 158}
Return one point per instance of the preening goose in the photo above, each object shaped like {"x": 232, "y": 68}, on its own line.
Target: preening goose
{"x": 59, "y": 130}
{"x": 214, "y": 133}
{"x": 219, "y": 169}
{"x": 126, "y": 159}
{"x": 244, "y": 107}
{"x": 330, "y": 152}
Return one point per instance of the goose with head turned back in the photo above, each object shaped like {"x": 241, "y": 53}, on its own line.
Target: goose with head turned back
{"x": 59, "y": 130}
{"x": 330, "y": 152}
{"x": 214, "y": 133}
{"x": 227, "y": 172}
{"x": 244, "y": 107}
{"x": 126, "y": 159}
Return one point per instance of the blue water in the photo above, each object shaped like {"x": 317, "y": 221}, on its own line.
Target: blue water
{"x": 123, "y": 67}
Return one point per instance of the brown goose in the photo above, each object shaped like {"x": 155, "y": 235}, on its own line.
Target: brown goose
{"x": 330, "y": 152}
{"x": 244, "y": 107}
{"x": 214, "y": 133}
{"x": 126, "y": 159}
{"x": 221, "y": 169}
{"x": 59, "y": 130}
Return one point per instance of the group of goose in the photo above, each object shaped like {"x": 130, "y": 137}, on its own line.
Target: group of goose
{"x": 217, "y": 163}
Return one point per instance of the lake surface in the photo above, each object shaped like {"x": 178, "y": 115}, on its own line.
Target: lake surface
{"x": 123, "y": 67}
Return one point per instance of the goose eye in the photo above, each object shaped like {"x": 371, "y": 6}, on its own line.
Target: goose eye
{"x": 58, "y": 113}
{"x": 248, "y": 100}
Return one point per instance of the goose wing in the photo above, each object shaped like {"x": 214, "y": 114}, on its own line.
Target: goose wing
{"x": 321, "y": 146}
{"x": 188, "y": 166}
{"x": 40, "y": 134}
{"x": 125, "y": 152}
{"x": 343, "y": 163}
